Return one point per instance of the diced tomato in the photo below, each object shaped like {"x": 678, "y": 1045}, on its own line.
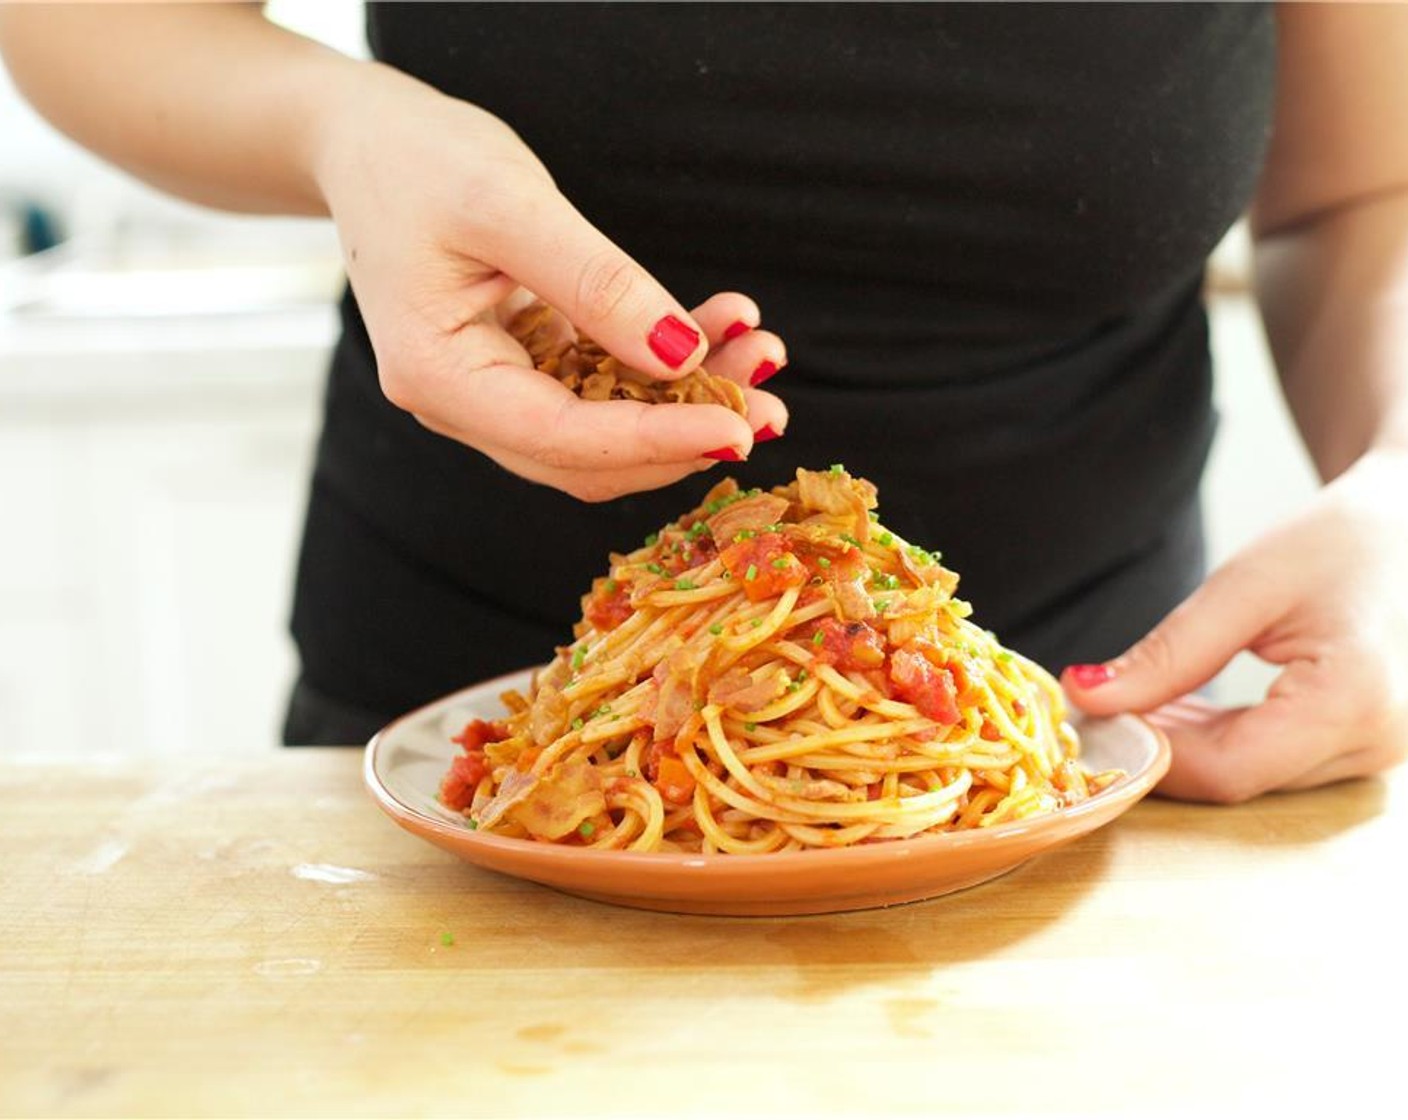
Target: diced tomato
{"x": 608, "y": 605}
{"x": 847, "y": 645}
{"x": 968, "y": 693}
{"x": 468, "y": 769}
{"x": 928, "y": 688}
{"x": 666, "y": 771}
{"x": 477, "y": 732}
{"x": 764, "y": 566}
{"x": 458, "y": 786}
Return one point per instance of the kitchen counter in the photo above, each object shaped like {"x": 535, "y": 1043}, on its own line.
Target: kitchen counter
{"x": 255, "y": 938}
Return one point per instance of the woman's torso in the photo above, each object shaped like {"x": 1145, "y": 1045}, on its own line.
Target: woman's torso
{"x": 981, "y": 231}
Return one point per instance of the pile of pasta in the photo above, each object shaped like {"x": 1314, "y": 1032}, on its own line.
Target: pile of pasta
{"x": 772, "y": 671}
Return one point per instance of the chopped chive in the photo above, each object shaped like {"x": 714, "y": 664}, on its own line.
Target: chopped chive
{"x": 823, "y": 562}
{"x": 756, "y": 623}
{"x": 886, "y": 539}
{"x": 652, "y": 540}
{"x": 883, "y": 605}
{"x": 750, "y": 727}
{"x": 577, "y": 724}
{"x": 473, "y": 824}
{"x": 631, "y": 774}
{"x": 744, "y": 535}
{"x": 697, "y": 530}
{"x": 656, "y": 568}
{"x": 782, "y": 562}
{"x": 818, "y": 638}
{"x": 850, "y": 539}
{"x": 586, "y": 828}
{"x": 716, "y": 629}
{"x": 611, "y": 586}
{"x": 685, "y": 585}
{"x": 751, "y": 573}
{"x": 837, "y": 468}
{"x": 1005, "y": 655}
{"x": 447, "y": 939}
{"x": 801, "y": 674}
{"x": 875, "y": 515}
{"x": 579, "y": 657}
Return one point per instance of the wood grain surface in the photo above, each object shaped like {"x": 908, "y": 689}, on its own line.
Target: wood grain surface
{"x": 257, "y": 939}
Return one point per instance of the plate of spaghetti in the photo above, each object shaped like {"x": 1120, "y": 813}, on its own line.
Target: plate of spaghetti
{"x": 774, "y": 705}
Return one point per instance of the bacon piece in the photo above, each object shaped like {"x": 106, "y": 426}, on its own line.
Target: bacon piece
{"x": 852, "y": 599}
{"x": 550, "y": 805}
{"x": 677, "y": 681}
{"x": 926, "y": 575}
{"x": 738, "y": 690}
{"x": 839, "y": 496}
{"x": 549, "y": 714}
{"x": 583, "y": 367}
{"x": 752, "y": 513}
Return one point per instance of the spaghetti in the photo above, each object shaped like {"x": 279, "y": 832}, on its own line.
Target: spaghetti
{"x": 773, "y": 671}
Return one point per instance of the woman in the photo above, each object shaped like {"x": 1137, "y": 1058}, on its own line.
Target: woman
{"x": 980, "y": 229}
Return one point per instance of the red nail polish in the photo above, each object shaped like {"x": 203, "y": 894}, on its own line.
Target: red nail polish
{"x": 737, "y": 329}
{"x": 673, "y": 341}
{"x": 724, "y": 455}
{"x": 762, "y": 373}
{"x": 1089, "y": 676}
{"x": 765, "y": 433}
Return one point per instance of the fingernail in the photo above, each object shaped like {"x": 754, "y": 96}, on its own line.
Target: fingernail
{"x": 724, "y": 455}
{"x": 1089, "y": 676}
{"x": 762, "y": 373}
{"x": 765, "y": 433}
{"x": 673, "y": 341}
{"x": 737, "y": 329}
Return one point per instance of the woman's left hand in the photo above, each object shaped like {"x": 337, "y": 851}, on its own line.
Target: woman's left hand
{"x": 1325, "y": 596}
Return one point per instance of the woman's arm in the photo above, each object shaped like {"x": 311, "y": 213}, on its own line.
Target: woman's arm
{"x": 207, "y": 101}
{"x": 1322, "y": 595}
{"x": 443, "y": 214}
{"x": 1331, "y": 229}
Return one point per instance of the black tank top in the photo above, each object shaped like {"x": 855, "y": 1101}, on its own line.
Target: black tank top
{"x": 981, "y": 230}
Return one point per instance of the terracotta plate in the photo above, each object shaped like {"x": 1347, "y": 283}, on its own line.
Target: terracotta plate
{"x": 407, "y": 759}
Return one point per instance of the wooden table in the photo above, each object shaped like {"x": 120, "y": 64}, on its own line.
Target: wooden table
{"x": 259, "y": 940}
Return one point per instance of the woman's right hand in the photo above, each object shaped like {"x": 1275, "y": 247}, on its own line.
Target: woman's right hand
{"x": 444, "y": 216}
